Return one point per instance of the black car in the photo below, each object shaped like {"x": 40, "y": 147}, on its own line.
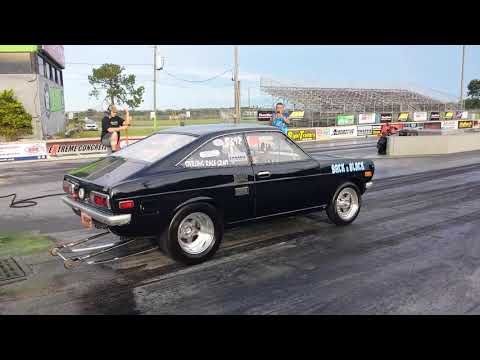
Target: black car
{"x": 186, "y": 184}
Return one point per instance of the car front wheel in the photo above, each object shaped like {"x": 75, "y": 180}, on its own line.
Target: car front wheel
{"x": 194, "y": 234}
{"x": 345, "y": 204}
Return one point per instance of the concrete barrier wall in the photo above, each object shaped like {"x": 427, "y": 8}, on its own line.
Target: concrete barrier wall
{"x": 432, "y": 145}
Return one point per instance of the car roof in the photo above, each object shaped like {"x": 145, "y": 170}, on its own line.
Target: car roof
{"x": 202, "y": 130}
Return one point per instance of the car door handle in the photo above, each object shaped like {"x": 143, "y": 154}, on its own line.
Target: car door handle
{"x": 263, "y": 174}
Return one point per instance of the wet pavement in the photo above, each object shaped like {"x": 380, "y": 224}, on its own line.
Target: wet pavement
{"x": 414, "y": 249}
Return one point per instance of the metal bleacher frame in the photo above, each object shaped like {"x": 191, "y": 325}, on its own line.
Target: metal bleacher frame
{"x": 321, "y": 105}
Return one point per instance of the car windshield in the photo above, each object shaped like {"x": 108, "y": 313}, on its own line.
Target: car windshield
{"x": 155, "y": 147}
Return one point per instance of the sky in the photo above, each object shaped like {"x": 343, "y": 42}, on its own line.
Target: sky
{"x": 431, "y": 69}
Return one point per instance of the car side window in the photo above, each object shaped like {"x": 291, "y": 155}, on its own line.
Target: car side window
{"x": 223, "y": 151}
{"x": 273, "y": 148}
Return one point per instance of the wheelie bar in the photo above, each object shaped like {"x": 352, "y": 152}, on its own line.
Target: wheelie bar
{"x": 70, "y": 262}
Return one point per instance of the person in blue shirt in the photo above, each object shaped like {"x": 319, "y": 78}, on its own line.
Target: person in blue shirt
{"x": 280, "y": 118}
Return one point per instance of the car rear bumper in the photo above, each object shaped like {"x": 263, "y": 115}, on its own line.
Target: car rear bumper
{"x": 107, "y": 219}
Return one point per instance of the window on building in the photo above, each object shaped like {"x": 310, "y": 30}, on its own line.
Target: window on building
{"x": 50, "y": 72}
{"x": 46, "y": 72}
{"x": 40, "y": 63}
{"x": 56, "y": 76}
{"x": 61, "y": 77}
{"x": 16, "y": 63}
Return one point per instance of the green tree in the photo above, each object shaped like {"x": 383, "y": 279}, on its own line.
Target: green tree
{"x": 473, "y": 100}
{"x": 474, "y": 89}
{"x": 118, "y": 87}
{"x": 471, "y": 104}
{"x": 14, "y": 120}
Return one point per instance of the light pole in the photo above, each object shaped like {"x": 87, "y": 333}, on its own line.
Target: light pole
{"x": 462, "y": 105}
{"x": 236, "y": 85}
{"x": 155, "y": 69}
{"x": 155, "y": 87}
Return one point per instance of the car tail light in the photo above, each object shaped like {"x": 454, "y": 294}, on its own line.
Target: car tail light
{"x": 368, "y": 173}
{"x": 126, "y": 204}
{"x": 99, "y": 199}
{"x": 66, "y": 186}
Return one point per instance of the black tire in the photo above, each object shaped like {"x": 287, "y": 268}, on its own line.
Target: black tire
{"x": 382, "y": 145}
{"x": 332, "y": 211}
{"x": 169, "y": 242}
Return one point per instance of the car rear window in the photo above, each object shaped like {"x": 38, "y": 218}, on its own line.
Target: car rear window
{"x": 155, "y": 147}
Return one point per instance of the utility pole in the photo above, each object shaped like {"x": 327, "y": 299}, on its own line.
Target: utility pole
{"x": 462, "y": 105}
{"x": 236, "y": 85}
{"x": 155, "y": 87}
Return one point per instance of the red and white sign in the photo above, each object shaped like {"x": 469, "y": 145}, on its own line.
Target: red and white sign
{"x": 23, "y": 151}
{"x": 82, "y": 146}
{"x": 420, "y": 116}
{"x": 449, "y": 124}
{"x": 368, "y": 118}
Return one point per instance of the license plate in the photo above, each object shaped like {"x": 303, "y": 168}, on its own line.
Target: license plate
{"x": 86, "y": 220}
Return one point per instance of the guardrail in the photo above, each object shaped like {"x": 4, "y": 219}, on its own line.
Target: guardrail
{"x": 433, "y": 144}
{"x": 42, "y": 150}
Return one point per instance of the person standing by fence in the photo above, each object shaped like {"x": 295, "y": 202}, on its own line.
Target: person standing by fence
{"x": 280, "y": 118}
{"x": 112, "y": 124}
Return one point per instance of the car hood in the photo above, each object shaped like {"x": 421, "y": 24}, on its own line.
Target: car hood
{"x": 108, "y": 171}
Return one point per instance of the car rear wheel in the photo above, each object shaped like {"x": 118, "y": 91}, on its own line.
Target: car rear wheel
{"x": 345, "y": 204}
{"x": 194, "y": 234}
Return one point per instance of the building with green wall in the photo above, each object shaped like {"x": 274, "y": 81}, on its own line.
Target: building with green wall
{"x": 35, "y": 73}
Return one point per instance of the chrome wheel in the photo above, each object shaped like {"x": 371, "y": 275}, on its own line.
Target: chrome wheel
{"x": 347, "y": 203}
{"x": 196, "y": 233}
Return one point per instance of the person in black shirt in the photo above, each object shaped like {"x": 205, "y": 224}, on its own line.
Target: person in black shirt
{"x": 111, "y": 127}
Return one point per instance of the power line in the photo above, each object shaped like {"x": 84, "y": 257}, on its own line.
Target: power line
{"x": 197, "y": 81}
{"x": 93, "y": 64}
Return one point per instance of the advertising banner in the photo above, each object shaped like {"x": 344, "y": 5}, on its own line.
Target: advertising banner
{"x": 418, "y": 125}
{"x": 264, "y": 115}
{"x": 344, "y": 131}
{"x": 404, "y": 116}
{"x": 385, "y": 117}
{"x": 82, "y": 146}
{"x": 465, "y": 124}
{"x": 297, "y": 115}
{"x": 308, "y": 134}
{"x": 376, "y": 130}
{"x": 448, "y": 115}
{"x": 343, "y": 120}
{"x": 56, "y": 99}
{"x": 23, "y": 151}
{"x": 458, "y": 115}
{"x": 432, "y": 125}
{"x": 368, "y": 118}
{"x": 450, "y": 124}
{"x": 364, "y": 130}
{"x": 434, "y": 115}
{"x": 464, "y": 115}
{"x": 420, "y": 116}
{"x": 323, "y": 133}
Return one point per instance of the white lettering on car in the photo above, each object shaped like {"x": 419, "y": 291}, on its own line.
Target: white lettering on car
{"x": 341, "y": 168}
